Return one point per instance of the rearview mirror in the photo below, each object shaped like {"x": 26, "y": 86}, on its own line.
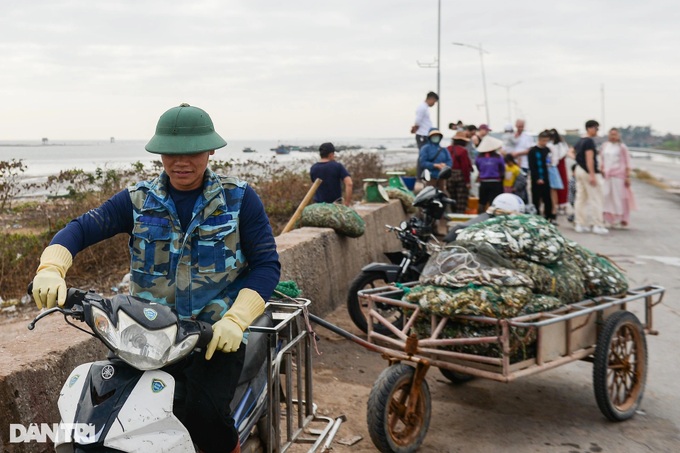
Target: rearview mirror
{"x": 426, "y": 175}
{"x": 445, "y": 173}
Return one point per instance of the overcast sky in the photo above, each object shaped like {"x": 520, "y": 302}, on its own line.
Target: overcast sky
{"x": 83, "y": 69}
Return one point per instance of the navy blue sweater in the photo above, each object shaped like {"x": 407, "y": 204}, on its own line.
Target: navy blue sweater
{"x": 115, "y": 216}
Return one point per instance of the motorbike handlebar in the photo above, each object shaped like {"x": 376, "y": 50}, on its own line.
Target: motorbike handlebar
{"x": 449, "y": 201}
{"x": 73, "y": 296}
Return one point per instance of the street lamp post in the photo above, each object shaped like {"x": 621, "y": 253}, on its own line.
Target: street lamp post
{"x": 481, "y": 60}
{"x": 437, "y": 62}
{"x": 507, "y": 89}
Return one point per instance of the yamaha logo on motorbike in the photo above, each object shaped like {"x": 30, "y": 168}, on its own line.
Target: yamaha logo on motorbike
{"x": 107, "y": 372}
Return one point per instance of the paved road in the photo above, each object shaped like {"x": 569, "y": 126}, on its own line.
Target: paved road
{"x": 554, "y": 411}
{"x": 662, "y": 167}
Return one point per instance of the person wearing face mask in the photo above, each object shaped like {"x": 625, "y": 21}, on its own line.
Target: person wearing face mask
{"x": 432, "y": 156}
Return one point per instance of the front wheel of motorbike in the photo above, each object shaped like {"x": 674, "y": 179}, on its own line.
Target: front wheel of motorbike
{"x": 358, "y": 309}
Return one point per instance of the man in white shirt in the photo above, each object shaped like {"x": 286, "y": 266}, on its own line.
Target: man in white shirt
{"x": 423, "y": 123}
{"x": 519, "y": 145}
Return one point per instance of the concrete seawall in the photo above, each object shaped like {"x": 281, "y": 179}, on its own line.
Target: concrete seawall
{"x": 33, "y": 370}
{"x": 324, "y": 263}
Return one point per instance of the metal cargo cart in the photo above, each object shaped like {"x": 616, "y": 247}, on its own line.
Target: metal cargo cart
{"x": 601, "y": 330}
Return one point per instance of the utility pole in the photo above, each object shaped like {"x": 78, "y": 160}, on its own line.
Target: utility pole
{"x": 481, "y": 60}
{"x": 439, "y": 52}
{"x": 437, "y": 62}
{"x": 602, "y": 105}
{"x": 507, "y": 89}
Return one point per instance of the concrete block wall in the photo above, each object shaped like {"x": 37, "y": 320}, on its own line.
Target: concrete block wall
{"x": 324, "y": 264}
{"x": 34, "y": 368}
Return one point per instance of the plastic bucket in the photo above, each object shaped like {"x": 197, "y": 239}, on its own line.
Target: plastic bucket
{"x": 409, "y": 181}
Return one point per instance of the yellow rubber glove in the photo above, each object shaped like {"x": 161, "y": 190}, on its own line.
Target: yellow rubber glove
{"x": 228, "y": 331}
{"x": 49, "y": 286}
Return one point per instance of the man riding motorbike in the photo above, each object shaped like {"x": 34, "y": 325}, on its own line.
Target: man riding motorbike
{"x": 200, "y": 243}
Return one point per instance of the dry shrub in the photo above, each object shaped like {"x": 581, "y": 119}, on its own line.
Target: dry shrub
{"x": 19, "y": 254}
{"x": 102, "y": 266}
{"x": 280, "y": 187}
{"x": 362, "y": 165}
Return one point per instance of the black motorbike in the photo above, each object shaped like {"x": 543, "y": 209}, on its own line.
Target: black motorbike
{"x": 405, "y": 265}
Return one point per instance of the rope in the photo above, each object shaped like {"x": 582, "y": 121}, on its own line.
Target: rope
{"x": 468, "y": 259}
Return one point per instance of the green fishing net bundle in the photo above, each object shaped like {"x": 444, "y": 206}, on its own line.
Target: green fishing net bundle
{"x": 518, "y": 236}
{"x": 506, "y": 267}
{"x": 474, "y": 300}
{"x": 462, "y": 264}
{"x": 342, "y": 219}
{"x": 563, "y": 279}
{"x": 522, "y": 341}
{"x": 287, "y": 288}
{"x": 601, "y": 277}
{"x": 406, "y": 198}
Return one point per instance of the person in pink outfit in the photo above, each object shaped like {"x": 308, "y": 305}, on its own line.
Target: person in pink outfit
{"x": 616, "y": 169}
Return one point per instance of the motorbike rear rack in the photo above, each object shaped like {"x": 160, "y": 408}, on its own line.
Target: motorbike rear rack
{"x": 291, "y": 408}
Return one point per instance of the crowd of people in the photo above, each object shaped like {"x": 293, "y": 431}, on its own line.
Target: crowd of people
{"x": 597, "y": 187}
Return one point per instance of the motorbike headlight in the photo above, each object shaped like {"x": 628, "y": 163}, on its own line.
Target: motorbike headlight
{"x": 142, "y": 348}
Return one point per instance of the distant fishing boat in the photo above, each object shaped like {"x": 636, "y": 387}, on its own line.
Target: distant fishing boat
{"x": 281, "y": 149}
{"x": 249, "y": 150}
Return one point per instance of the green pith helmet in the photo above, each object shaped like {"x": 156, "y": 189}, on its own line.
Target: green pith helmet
{"x": 184, "y": 130}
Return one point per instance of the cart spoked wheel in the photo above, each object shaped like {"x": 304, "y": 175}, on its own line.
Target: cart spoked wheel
{"x": 456, "y": 377}
{"x": 620, "y": 366}
{"x": 392, "y": 429}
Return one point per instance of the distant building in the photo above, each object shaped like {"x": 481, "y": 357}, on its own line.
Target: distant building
{"x": 113, "y": 139}
{"x": 44, "y": 141}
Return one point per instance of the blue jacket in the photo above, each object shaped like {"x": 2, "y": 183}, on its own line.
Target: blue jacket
{"x": 227, "y": 245}
{"x": 431, "y": 154}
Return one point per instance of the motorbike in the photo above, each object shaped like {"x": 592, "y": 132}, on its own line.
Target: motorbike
{"x": 127, "y": 400}
{"x": 405, "y": 265}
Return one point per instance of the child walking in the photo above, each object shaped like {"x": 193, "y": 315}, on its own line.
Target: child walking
{"x": 540, "y": 182}
{"x": 512, "y": 171}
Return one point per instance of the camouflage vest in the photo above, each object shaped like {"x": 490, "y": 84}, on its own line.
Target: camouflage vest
{"x": 194, "y": 272}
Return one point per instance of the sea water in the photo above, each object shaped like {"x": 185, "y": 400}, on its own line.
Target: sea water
{"x": 42, "y": 160}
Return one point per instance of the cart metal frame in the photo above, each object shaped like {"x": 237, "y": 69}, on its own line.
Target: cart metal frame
{"x": 563, "y": 335}
{"x": 289, "y": 382}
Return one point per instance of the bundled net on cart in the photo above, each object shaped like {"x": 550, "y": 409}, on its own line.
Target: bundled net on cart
{"x": 517, "y": 301}
{"x": 462, "y": 264}
{"x": 601, "y": 276}
{"x": 563, "y": 279}
{"x": 522, "y": 341}
{"x": 507, "y": 267}
{"x": 554, "y": 263}
{"x": 518, "y": 236}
